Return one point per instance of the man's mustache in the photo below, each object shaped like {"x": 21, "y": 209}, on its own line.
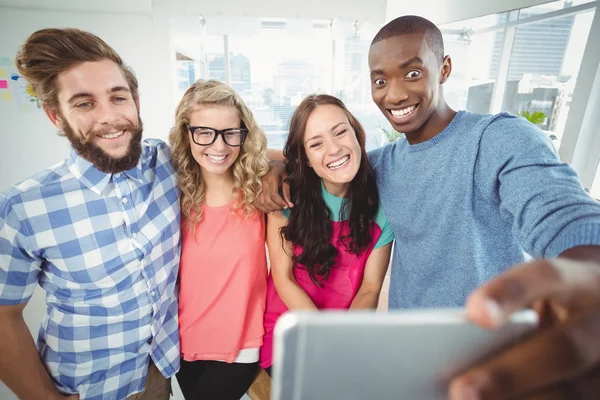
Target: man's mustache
{"x": 89, "y": 136}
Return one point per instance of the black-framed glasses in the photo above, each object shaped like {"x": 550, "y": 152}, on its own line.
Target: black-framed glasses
{"x": 205, "y": 136}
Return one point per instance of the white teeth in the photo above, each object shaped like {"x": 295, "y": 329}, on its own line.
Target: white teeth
{"x": 113, "y": 135}
{"x": 338, "y": 163}
{"x": 216, "y": 158}
{"x": 403, "y": 112}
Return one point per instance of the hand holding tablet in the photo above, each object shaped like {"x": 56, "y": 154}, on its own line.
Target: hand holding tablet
{"x": 562, "y": 360}
{"x": 396, "y": 355}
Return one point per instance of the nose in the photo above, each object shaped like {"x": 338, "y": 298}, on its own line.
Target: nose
{"x": 333, "y": 146}
{"x": 219, "y": 143}
{"x": 106, "y": 114}
{"x": 396, "y": 93}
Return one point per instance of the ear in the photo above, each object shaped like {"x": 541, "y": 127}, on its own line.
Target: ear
{"x": 54, "y": 116}
{"x": 446, "y": 69}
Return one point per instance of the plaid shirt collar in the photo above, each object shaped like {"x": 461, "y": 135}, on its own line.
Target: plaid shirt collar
{"x": 95, "y": 179}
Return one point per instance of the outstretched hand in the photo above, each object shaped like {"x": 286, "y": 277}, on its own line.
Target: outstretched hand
{"x": 562, "y": 359}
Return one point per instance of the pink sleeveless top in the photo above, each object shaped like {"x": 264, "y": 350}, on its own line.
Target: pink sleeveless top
{"x": 223, "y": 284}
{"x": 343, "y": 283}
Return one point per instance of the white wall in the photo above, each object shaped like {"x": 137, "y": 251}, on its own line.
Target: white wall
{"x": 28, "y": 142}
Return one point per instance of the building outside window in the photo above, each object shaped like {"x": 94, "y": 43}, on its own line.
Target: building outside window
{"x": 523, "y": 61}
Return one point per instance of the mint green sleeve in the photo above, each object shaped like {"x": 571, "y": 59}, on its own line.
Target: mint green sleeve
{"x": 387, "y": 234}
{"x": 286, "y": 212}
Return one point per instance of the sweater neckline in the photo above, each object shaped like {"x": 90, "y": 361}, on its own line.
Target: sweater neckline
{"x": 447, "y": 131}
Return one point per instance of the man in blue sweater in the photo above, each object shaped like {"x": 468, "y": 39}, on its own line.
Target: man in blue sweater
{"x": 467, "y": 195}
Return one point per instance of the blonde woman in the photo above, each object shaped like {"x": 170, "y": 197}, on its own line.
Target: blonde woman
{"x": 219, "y": 153}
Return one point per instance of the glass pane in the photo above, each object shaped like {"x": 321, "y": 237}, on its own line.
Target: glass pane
{"x": 595, "y": 191}
{"x": 276, "y": 68}
{"x": 356, "y": 87}
{"x": 272, "y": 70}
{"x": 549, "y": 7}
{"x": 475, "y": 58}
{"x": 543, "y": 69}
{"x": 186, "y": 74}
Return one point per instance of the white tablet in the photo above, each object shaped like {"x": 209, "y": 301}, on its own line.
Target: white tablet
{"x": 332, "y": 355}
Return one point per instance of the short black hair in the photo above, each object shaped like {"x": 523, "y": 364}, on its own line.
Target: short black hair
{"x": 413, "y": 24}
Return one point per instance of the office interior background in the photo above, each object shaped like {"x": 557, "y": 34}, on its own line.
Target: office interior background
{"x": 515, "y": 55}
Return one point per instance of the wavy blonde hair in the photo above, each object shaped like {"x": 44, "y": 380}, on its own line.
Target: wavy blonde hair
{"x": 248, "y": 169}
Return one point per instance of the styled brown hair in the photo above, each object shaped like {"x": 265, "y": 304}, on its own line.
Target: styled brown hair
{"x": 48, "y": 52}
{"x": 309, "y": 223}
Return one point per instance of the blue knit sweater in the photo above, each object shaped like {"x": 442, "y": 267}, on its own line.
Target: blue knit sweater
{"x": 470, "y": 202}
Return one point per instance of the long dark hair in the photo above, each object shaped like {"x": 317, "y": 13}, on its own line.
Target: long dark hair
{"x": 309, "y": 224}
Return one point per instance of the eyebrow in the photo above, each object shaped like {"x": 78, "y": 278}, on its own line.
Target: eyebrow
{"x": 333, "y": 128}
{"x": 402, "y": 66}
{"x": 412, "y": 60}
{"x": 86, "y": 94}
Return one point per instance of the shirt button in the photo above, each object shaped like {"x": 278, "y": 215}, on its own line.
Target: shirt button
{"x": 124, "y": 200}
{"x": 153, "y": 293}
{"x": 133, "y": 235}
{"x": 118, "y": 175}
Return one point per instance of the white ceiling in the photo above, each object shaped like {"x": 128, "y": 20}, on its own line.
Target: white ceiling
{"x": 111, "y": 6}
{"x": 375, "y": 11}
{"x": 353, "y": 10}
{"x": 445, "y": 11}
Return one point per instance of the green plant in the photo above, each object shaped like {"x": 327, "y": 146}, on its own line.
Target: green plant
{"x": 391, "y": 135}
{"x": 536, "y": 118}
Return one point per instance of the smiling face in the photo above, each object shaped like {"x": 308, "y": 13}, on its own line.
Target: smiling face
{"x": 406, "y": 79}
{"x": 99, "y": 115}
{"x": 331, "y": 147}
{"x": 217, "y": 158}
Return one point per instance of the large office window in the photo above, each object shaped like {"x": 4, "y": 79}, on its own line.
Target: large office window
{"x": 272, "y": 70}
{"x": 524, "y": 62}
{"x": 276, "y": 67}
{"x": 472, "y": 57}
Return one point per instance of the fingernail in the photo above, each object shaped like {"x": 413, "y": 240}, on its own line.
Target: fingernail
{"x": 494, "y": 312}
{"x": 463, "y": 391}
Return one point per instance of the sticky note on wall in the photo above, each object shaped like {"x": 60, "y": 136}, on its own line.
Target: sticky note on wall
{"x": 5, "y": 62}
{"x": 3, "y": 73}
{"x": 6, "y": 96}
{"x": 3, "y": 84}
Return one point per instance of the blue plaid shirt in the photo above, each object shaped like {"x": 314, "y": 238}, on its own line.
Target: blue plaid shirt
{"x": 105, "y": 248}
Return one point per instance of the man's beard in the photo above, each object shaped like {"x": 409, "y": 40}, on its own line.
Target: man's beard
{"x": 87, "y": 149}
